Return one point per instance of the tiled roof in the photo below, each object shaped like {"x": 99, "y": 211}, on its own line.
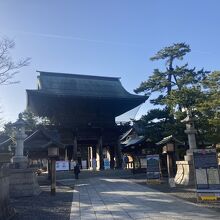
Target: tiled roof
{"x": 82, "y": 86}
{"x": 133, "y": 140}
{"x": 169, "y": 139}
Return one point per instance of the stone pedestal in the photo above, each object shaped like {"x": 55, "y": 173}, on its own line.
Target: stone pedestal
{"x": 19, "y": 162}
{"x": 23, "y": 182}
{"x": 5, "y": 158}
{"x": 185, "y": 173}
{"x": 185, "y": 170}
{"x": 5, "y": 210}
{"x": 189, "y": 155}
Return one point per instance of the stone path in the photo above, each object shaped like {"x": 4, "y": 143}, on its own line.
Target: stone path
{"x": 109, "y": 198}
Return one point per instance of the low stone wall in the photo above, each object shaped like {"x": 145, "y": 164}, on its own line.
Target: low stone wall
{"x": 5, "y": 210}
{"x": 23, "y": 182}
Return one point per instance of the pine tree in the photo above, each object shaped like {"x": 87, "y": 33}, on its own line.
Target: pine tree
{"x": 174, "y": 77}
{"x": 180, "y": 88}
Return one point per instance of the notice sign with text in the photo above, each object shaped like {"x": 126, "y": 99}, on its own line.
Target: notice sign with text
{"x": 206, "y": 174}
{"x": 106, "y": 164}
{"x": 62, "y": 165}
{"x": 153, "y": 167}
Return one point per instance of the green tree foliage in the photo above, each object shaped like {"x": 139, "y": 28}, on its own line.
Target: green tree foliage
{"x": 211, "y": 102}
{"x": 209, "y": 107}
{"x": 32, "y": 122}
{"x": 180, "y": 88}
{"x": 204, "y": 100}
{"x": 157, "y": 124}
{"x": 8, "y": 129}
{"x": 173, "y": 77}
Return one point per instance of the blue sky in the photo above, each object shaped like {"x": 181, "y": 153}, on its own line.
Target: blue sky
{"x": 104, "y": 37}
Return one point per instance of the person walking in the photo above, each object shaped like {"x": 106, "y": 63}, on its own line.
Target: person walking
{"x": 76, "y": 171}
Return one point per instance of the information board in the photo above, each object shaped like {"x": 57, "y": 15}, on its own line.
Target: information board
{"x": 62, "y": 165}
{"x": 143, "y": 162}
{"x": 206, "y": 174}
{"x": 106, "y": 164}
{"x": 153, "y": 167}
{"x": 84, "y": 164}
{"x": 72, "y": 165}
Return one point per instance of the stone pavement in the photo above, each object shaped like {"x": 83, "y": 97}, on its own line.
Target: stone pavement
{"x": 105, "y": 195}
{"x": 115, "y": 198}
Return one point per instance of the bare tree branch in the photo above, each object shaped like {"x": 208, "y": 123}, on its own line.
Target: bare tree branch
{"x": 8, "y": 67}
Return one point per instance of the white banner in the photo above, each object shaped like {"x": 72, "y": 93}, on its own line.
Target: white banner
{"x": 62, "y": 165}
{"x": 84, "y": 164}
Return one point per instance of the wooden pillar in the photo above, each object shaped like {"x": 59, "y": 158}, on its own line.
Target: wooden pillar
{"x": 100, "y": 146}
{"x": 88, "y": 150}
{"x": 66, "y": 156}
{"x": 94, "y": 152}
{"x": 108, "y": 156}
{"x": 170, "y": 164}
{"x": 53, "y": 177}
{"x": 90, "y": 156}
{"x": 170, "y": 151}
{"x": 112, "y": 161}
{"x": 75, "y": 149}
{"x": 49, "y": 168}
{"x": 94, "y": 158}
{"x": 118, "y": 155}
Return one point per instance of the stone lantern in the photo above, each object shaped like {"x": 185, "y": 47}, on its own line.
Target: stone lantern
{"x": 53, "y": 153}
{"x": 19, "y": 160}
{"x": 23, "y": 181}
{"x": 185, "y": 171}
{"x": 191, "y": 133}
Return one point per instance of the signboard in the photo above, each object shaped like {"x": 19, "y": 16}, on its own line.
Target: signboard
{"x": 153, "y": 167}
{"x": 143, "y": 162}
{"x": 84, "y": 164}
{"x": 206, "y": 174}
{"x": 53, "y": 151}
{"x": 168, "y": 148}
{"x": 106, "y": 164}
{"x": 62, "y": 165}
{"x": 72, "y": 165}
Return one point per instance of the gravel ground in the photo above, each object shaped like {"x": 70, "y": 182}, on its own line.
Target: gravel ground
{"x": 44, "y": 206}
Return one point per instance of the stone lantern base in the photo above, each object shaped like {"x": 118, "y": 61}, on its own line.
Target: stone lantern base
{"x": 185, "y": 173}
{"x": 23, "y": 182}
{"x": 6, "y": 211}
{"x": 19, "y": 162}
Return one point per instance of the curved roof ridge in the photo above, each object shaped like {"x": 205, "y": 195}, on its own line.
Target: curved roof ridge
{"x": 71, "y": 75}
{"x": 108, "y": 93}
{"x": 82, "y": 85}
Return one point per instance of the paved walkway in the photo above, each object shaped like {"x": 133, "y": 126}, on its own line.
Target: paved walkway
{"x": 109, "y": 198}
